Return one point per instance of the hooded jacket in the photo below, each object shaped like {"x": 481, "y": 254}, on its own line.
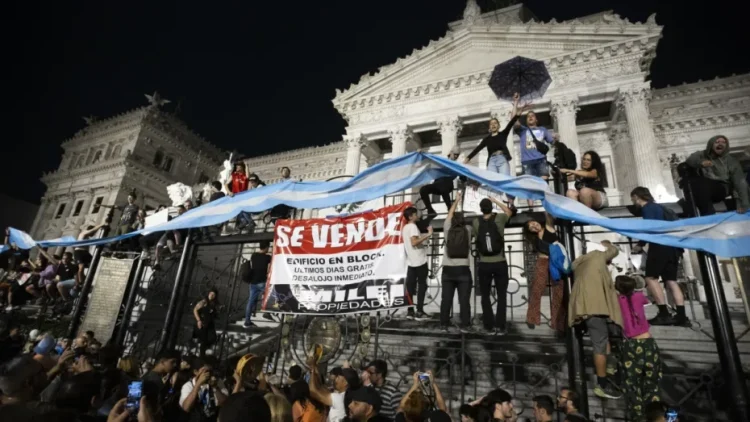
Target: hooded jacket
{"x": 725, "y": 169}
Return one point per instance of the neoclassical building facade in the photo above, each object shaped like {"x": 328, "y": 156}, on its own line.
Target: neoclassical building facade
{"x": 145, "y": 149}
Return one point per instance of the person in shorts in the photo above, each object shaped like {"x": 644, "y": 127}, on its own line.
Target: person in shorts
{"x": 661, "y": 262}
{"x": 593, "y": 302}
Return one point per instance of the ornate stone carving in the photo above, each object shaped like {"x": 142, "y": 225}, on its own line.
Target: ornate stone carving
{"x": 595, "y": 142}
{"x": 633, "y": 94}
{"x": 677, "y": 139}
{"x": 357, "y": 140}
{"x": 618, "y": 136}
{"x": 564, "y": 105}
{"x": 400, "y": 134}
{"x": 450, "y": 125}
{"x": 375, "y": 116}
{"x": 472, "y": 12}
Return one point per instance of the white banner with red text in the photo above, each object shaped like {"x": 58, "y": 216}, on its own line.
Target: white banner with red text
{"x": 338, "y": 265}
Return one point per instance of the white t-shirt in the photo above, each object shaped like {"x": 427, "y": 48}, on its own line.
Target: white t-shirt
{"x": 337, "y": 412}
{"x": 416, "y": 256}
{"x": 188, "y": 387}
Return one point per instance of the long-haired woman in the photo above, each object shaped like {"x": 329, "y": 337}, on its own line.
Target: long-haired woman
{"x": 590, "y": 179}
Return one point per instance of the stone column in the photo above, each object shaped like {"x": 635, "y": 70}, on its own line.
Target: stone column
{"x": 624, "y": 165}
{"x": 563, "y": 110}
{"x": 354, "y": 153}
{"x": 634, "y": 101}
{"x": 399, "y": 136}
{"x": 449, "y": 127}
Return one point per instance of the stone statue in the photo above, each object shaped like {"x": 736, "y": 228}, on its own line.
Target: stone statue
{"x": 179, "y": 193}
{"x": 226, "y": 175}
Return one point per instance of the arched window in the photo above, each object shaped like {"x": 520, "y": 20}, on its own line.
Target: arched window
{"x": 117, "y": 152}
{"x": 97, "y": 157}
{"x": 79, "y": 161}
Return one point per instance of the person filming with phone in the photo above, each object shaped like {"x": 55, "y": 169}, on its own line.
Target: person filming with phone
{"x": 423, "y": 398}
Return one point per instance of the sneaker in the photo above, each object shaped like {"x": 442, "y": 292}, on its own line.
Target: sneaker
{"x": 248, "y": 324}
{"x": 682, "y": 322}
{"x": 268, "y": 317}
{"x": 486, "y": 331}
{"x": 499, "y": 332}
{"x": 662, "y": 319}
{"x": 608, "y": 392}
{"x": 421, "y": 316}
{"x": 410, "y": 314}
{"x": 445, "y": 329}
{"x": 9, "y": 308}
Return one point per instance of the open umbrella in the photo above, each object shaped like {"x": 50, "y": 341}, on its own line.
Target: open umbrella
{"x": 528, "y": 77}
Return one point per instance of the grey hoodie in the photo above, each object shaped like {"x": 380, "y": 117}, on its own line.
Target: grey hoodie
{"x": 725, "y": 169}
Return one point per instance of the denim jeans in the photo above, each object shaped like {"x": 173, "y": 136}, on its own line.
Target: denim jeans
{"x": 456, "y": 279}
{"x": 256, "y": 292}
{"x": 499, "y": 164}
{"x": 497, "y": 271}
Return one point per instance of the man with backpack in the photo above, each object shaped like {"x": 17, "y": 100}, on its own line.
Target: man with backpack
{"x": 456, "y": 272}
{"x": 661, "y": 261}
{"x": 488, "y": 231}
{"x": 255, "y": 272}
{"x": 415, "y": 244}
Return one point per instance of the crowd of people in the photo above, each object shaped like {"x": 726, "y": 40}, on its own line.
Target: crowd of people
{"x": 44, "y": 379}
{"x": 43, "y": 376}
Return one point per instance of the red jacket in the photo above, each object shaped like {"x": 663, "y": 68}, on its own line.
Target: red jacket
{"x": 239, "y": 182}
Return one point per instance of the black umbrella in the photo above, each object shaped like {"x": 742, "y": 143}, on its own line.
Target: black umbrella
{"x": 528, "y": 77}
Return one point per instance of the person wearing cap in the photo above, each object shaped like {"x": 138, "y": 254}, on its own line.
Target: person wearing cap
{"x": 348, "y": 380}
{"x": 442, "y": 186}
{"x": 43, "y": 352}
{"x": 499, "y": 403}
{"x": 366, "y": 405}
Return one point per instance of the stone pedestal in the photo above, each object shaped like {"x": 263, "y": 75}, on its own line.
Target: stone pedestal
{"x": 564, "y": 111}
{"x": 633, "y": 100}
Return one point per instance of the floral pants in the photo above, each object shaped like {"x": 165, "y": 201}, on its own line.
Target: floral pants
{"x": 642, "y": 366}
{"x": 540, "y": 283}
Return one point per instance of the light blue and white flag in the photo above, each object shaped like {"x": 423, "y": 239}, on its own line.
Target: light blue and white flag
{"x": 726, "y": 235}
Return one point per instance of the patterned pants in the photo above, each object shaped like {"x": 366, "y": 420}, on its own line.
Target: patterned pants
{"x": 642, "y": 365}
{"x": 539, "y": 283}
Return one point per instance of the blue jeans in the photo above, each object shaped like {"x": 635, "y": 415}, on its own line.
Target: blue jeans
{"x": 498, "y": 164}
{"x": 536, "y": 168}
{"x": 256, "y": 291}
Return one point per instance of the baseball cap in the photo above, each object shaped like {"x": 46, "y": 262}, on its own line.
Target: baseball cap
{"x": 45, "y": 345}
{"x": 367, "y": 395}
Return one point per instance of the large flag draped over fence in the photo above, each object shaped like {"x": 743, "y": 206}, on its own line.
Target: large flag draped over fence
{"x": 726, "y": 235}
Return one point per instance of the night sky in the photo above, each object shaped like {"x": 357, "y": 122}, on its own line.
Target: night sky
{"x": 259, "y": 77}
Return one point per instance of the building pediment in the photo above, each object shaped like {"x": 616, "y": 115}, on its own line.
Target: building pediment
{"x": 473, "y": 49}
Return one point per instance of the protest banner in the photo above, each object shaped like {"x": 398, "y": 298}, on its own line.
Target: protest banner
{"x": 338, "y": 265}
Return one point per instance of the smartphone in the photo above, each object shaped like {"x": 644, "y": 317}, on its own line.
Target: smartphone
{"x": 135, "y": 390}
{"x": 424, "y": 378}
{"x": 671, "y": 415}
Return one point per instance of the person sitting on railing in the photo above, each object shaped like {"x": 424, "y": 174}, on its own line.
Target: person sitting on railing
{"x": 589, "y": 186}
{"x": 718, "y": 175}
{"x": 593, "y": 302}
{"x": 239, "y": 183}
{"x": 661, "y": 262}
{"x": 442, "y": 186}
{"x": 540, "y": 238}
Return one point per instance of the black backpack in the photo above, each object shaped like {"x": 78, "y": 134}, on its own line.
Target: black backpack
{"x": 246, "y": 271}
{"x": 489, "y": 240}
{"x": 457, "y": 242}
{"x": 669, "y": 215}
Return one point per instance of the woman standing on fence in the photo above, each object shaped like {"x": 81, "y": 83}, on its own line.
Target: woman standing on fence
{"x": 541, "y": 237}
{"x": 640, "y": 354}
{"x": 205, "y": 315}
